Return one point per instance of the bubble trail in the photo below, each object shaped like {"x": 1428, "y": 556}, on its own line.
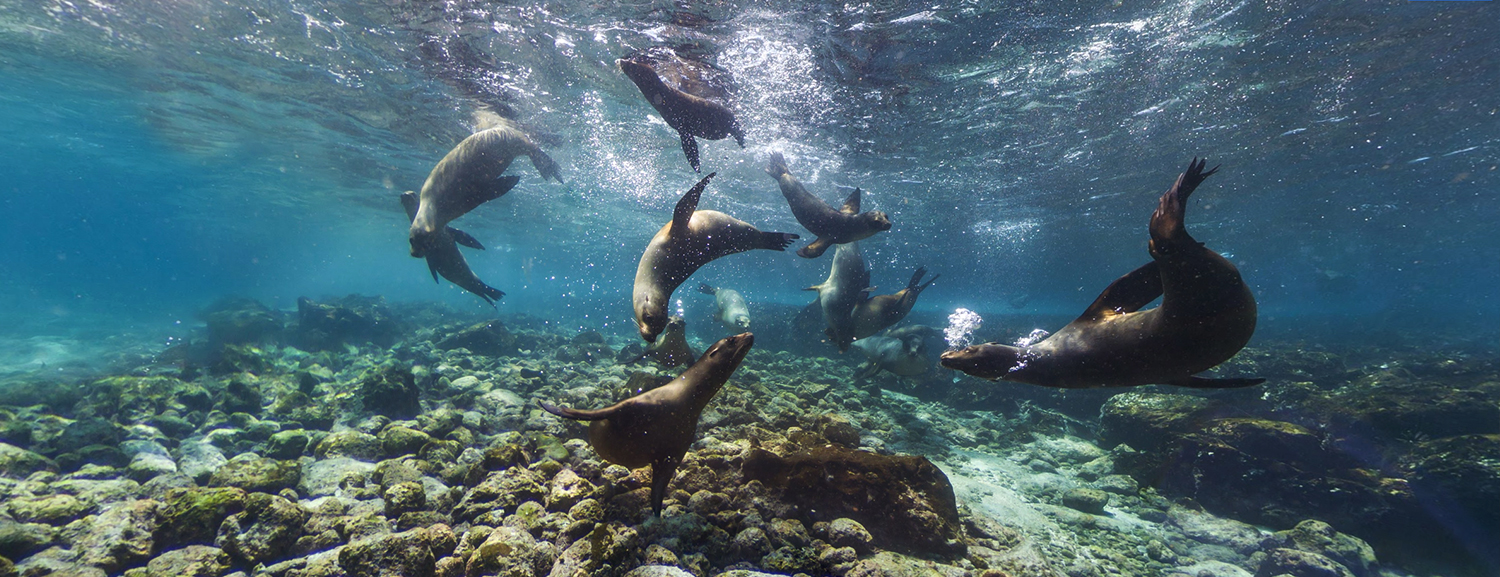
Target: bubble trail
{"x": 961, "y": 325}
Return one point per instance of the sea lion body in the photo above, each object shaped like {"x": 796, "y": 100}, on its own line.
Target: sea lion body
{"x": 691, "y": 240}
{"x": 671, "y": 348}
{"x": 848, "y": 280}
{"x": 831, "y": 226}
{"x": 733, "y": 311}
{"x": 470, "y": 175}
{"x": 675, "y": 89}
{"x": 444, "y": 258}
{"x": 657, "y": 427}
{"x": 906, "y": 357}
{"x": 1207, "y": 314}
{"x": 875, "y": 314}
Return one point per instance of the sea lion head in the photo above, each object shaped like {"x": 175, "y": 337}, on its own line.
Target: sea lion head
{"x": 652, "y": 319}
{"x": 422, "y": 241}
{"x": 986, "y": 361}
{"x": 675, "y": 324}
{"x": 877, "y": 220}
{"x": 742, "y": 321}
{"x": 638, "y": 70}
{"x": 725, "y": 356}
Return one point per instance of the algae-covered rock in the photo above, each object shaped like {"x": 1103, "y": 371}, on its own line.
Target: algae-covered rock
{"x": 511, "y": 551}
{"x": 18, "y": 540}
{"x": 119, "y": 537}
{"x": 85, "y": 433}
{"x": 489, "y": 338}
{"x": 327, "y": 476}
{"x": 1465, "y": 469}
{"x": 389, "y": 390}
{"x": 349, "y": 443}
{"x": 412, "y": 553}
{"x": 906, "y": 501}
{"x": 843, "y": 532}
{"x": 397, "y": 440}
{"x": 240, "y": 320}
{"x": 287, "y": 444}
{"x": 50, "y": 509}
{"x": 1296, "y": 563}
{"x": 257, "y": 474}
{"x": 1086, "y": 500}
{"x": 198, "y": 458}
{"x": 190, "y": 561}
{"x": 353, "y": 319}
{"x": 264, "y": 531}
{"x": 1149, "y": 421}
{"x": 404, "y": 497}
{"x": 1315, "y": 536}
{"x": 19, "y": 463}
{"x": 192, "y": 516}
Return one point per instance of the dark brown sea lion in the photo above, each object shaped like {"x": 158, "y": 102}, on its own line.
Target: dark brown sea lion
{"x": 443, "y": 257}
{"x": 1207, "y": 314}
{"x": 877, "y": 313}
{"x": 831, "y": 226}
{"x": 691, "y": 240}
{"x": 848, "y": 281}
{"x": 470, "y": 175}
{"x": 675, "y": 88}
{"x": 671, "y": 348}
{"x": 657, "y": 427}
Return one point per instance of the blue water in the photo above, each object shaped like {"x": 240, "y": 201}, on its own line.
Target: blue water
{"x": 158, "y": 156}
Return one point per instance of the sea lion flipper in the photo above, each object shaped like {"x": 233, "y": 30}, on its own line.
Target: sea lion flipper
{"x": 1207, "y": 383}
{"x": 545, "y": 165}
{"x": 662, "y": 471}
{"x": 776, "y": 165}
{"x": 577, "y": 414}
{"x": 432, "y": 268}
{"x": 1168, "y": 223}
{"x": 683, "y": 214}
{"x": 1127, "y": 294}
{"x": 465, "y": 239}
{"x": 689, "y": 148}
{"x": 815, "y": 249}
{"x": 775, "y": 240}
{"x": 851, "y": 204}
{"x": 410, "y": 202}
{"x": 737, "y": 132}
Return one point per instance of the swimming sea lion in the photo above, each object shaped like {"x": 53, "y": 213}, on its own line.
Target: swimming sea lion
{"x": 848, "y": 281}
{"x": 906, "y": 357}
{"x": 691, "y": 240}
{"x": 877, "y": 313}
{"x": 734, "y": 314}
{"x": 469, "y": 175}
{"x": 665, "y": 79}
{"x": 1207, "y": 314}
{"x": 671, "y": 349}
{"x": 443, "y": 257}
{"x": 831, "y": 226}
{"x": 657, "y": 427}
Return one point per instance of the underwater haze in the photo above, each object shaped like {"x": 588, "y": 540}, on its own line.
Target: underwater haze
{"x": 167, "y": 159}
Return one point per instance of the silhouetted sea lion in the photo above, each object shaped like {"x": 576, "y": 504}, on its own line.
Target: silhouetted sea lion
{"x": 675, "y": 88}
{"x": 877, "y": 313}
{"x": 444, "y": 258}
{"x": 1207, "y": 314}
{"x": 831, "y": 226}
{"x": 470, "y": 175}
{"x": 691, "y": 240}
{"x": 848, "y": 280}
{"x": 657, "y": 427}
{"x": 902, "y": 356}
{"x": 671, "y": 348}
{"x": 733, "y": 312}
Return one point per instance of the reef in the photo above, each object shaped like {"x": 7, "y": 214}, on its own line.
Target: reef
{"x": 359, "y": 438}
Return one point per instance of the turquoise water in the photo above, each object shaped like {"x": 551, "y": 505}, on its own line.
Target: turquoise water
{"x": 159, "y": 156}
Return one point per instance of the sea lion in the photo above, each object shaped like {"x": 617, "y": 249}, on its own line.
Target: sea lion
{"x": 1207, "y": 314}
{"x": 444, "y": 258}
{"x": 691, "y": 240}
{"x": 657, "y": 427}
{"x": 831, "y": 226}
{"x": 470, "y": 175}
{"x": 671, "y": 348}
{"x": 674, "y": 87}
{"x": 734, "y": 313}
{"x": 877, "y": 313}
{"x": 848, "y": 281}
{"x": 906, "y": 356}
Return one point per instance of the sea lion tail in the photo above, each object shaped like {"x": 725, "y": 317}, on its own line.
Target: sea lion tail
{"x": 705, "y": 288}
{"x": 916, "y": 277}
{"x": 489, "y": 294}
{"x": 775, "y": 240}
{"x": 1168, "y": 222}
{"x": 776, "y": 165}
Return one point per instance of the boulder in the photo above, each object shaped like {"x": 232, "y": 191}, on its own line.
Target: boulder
{"x": 353, "y": 319}
{"x": 264, "y": 532}
{"x": 489, "y": 338}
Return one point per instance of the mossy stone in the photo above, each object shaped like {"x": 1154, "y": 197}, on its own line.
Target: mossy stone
{"x": 193, "y": 515}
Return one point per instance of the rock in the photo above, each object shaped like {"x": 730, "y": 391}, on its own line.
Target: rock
{"x": 19, "y": 463}
{"x": 1118, "y": 484}
{"x": 1318, "y": 537}
{"x": 264, "y": 531}
{"x": 389, "y": 390}
{"x": 18, "y": 540}
{"x": 839, "y": 431}
{"x": 119, "y": 537}
{"x": 349, "y": 443}
{"x": 1401, "y": 408}
{"x": 350, "y": 320}
{"x": 1295, "y": 563}
{"x": 404, "y": 497}
{"x": 658, "y": 571}
{"x": 1465, "y": 469}
{"x": 502, "y": 491}
{"x": 190, "y": 561}
{"x": 411, "y": 553}
{"x": 50, "y": 509}
{"x": 240, "y": 320}
{"x": 287, "y": 445}
{"x": 198, "y": 459}
{"x": 325, "y": 477}
{"x": 916, "y": 510}
{"x": 192, "y": 516}
{"x": 256, "y": 474}
{"x": 844, "y": 532}
{"x": 510, "y": 551}
{"x": 84, "y": 433}
{"x": 489, "y": 338}
{"x": 8, "y": 569}
{"x": 397, "y": 440}
{"x": 147, "y": 465}
{"x": 567, "y": 489}
{"x": 1087, "y": 500}
{"x": 751, "y": 543}
{"x": 1149, "y": 421}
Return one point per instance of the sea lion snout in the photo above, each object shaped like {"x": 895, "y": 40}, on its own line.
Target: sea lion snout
{"x": 879, "y": 220}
